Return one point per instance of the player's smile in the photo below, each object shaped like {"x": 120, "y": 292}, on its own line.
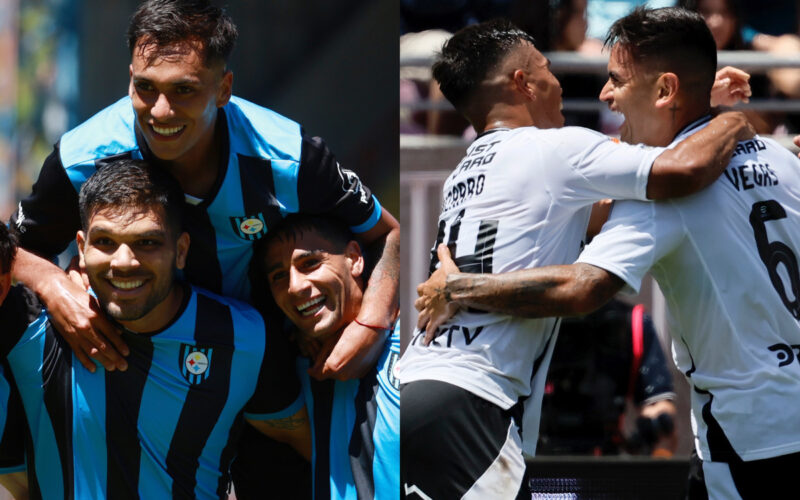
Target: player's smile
{"x": 130, "y": 257}
{"x": 166, "y": 132}
{"x": 311, "y": 307}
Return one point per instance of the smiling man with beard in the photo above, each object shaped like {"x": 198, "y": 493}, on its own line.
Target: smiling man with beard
{"x": 165, "y": 427}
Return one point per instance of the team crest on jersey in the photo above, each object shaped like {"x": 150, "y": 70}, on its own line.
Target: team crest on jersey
{"x": 195, "y": 363}
{"x": 393, "y": 378}
{"x": 249, "y": 227}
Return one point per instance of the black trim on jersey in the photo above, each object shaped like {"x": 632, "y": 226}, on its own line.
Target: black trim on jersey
{"x": 34, "y": 491}
{"x": 362, "y": 447}
{"x": 57, "y": 395}
{"x": 20, "y": 308}
{"x": 258, "y": 189}
{"x": 492, "y": 131}
{"x": 123, "y": 402}
{"x": 719, "y": 446}
{"x": 322, "y": 392}
{"x": 228, "y": 454}
{"x": 199, "y": 415}
{"x": 50, "y": 214}
{"x": 537, "y": 363}
{"x": 106, "y": 160}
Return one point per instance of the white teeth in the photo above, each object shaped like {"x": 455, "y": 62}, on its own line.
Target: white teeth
{"x": 127, "y": 285}
{"x": 308, "y": 308}
{"x": 167, "y": 130}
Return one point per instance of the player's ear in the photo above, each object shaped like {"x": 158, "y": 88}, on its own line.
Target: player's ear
{"x": 225, "y": 88}
{"x": 667, "y": 87}
{"x": 355, "y": 258}
{"x": 520, "y": 84}
{"x": 80, "y": 240}
{"x": 182, "y": 250}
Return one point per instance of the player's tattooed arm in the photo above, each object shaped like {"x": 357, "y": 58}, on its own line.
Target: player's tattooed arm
{"x": 532, "y": 293}
{"x": 294, "y": 430}
{"x": 359, "y": 346}
{"x": 699, "y": 159}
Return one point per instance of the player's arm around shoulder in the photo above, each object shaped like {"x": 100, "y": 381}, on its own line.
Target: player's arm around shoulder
{"x": 294, "y": 430}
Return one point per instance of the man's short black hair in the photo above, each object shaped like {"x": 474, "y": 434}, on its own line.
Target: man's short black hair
{"x": 8, "y": 249}
{"x": 295, "y": 225}
{"x": 126, "y": 184}
{"x": 471, "y": 54}
{"x": 669, "y": 40}
{"x": 163, "y": 23}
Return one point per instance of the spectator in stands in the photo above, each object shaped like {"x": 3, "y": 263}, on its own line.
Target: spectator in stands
{"x": 602, "y": 363}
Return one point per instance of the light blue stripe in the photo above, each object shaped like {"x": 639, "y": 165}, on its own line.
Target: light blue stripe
{"x": 9, "y": 470}
{"x": 284, "y": 177}
{"x": 28, "y": 353}
{"x": 165, "y": 399}
{"x": 233, "y": 252}
{"x": 302, "y": 365}
{"x": 343, "y": 418}
{"x": 386, "y": 435}
{"x": 89, "y": 431}
{"x": 290, "y": 410}
{"x": 373, "y": 219}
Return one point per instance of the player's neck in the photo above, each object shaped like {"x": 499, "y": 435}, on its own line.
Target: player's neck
{"x": 197, "y": 170}
{"x": 503, "y": 116}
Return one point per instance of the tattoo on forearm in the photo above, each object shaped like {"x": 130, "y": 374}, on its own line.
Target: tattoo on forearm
{"x": 289, "y": 423}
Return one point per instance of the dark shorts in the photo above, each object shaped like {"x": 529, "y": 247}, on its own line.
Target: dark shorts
{"x": 756, "y": 479}
{"x": 454, "y": 444}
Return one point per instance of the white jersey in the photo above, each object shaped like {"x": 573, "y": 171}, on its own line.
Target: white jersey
{"x": 520, "y": 198}
{"x": 726, "y": 260}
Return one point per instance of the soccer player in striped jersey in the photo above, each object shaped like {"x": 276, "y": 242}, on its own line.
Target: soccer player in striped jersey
{"x": 200, "y": 363}
{"x": 315, "y": 272}
{"x": 725, "y": 258}
{"x": 520, "y": 198}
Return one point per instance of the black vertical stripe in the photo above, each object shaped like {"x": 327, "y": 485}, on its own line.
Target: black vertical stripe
{"x": 57, "y": 387}
{"x": 205, "y": 400}
{"x": 123, "y": 402}
{"x": 362, "y": 447}
{"x": 34, "y": 492}
{"x": 322, "y": 392}
{"x": 719, "y": 447}
{"x": 258, "y": 189}
{"x": 12, "y": 440}
{"x": 202, "y": 264}
{"x": 228, "y": 453}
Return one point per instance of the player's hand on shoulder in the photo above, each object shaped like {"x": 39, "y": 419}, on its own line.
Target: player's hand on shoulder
{"x": 77, "y": 316}
{"x": 731, "y": 86}
{"x": 434, "y": 303}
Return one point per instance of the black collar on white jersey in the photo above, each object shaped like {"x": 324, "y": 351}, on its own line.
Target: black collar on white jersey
{"x": 492, "y": 131}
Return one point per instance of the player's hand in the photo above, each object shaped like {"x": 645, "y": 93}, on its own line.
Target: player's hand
{"x": 434, "y": 303}
{"x": 75, "y": 274}
{"x": 349, "y": 356}
{"x": 731, "y": 86}
{"x": 80, "y": 320}
{"x": 739, "y": 122}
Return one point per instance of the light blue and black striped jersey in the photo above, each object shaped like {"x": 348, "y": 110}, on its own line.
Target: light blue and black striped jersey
{"x": 12, "y": 425}
{"x": 269, "y": 168}
{"x": 166, "y": 427}
{"x": 356, "y": 430}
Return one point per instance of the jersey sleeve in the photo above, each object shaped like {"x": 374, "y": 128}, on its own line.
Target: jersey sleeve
{"x": 654, "y": 381}
{"x": 47, "y": 220}
{"x": 605, "y": 167}
{"x": 636, "y": 235}
{"x": 277, "y": 393}
{"x": 324, "y": 187}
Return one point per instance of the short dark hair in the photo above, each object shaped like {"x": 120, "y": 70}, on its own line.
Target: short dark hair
{"x": 162, "y": 23}
{"x": 128, "y": 183}
{"x": 294, "y": 225}
{"x": 8, "y": 249}
{"x": 471, "y": 53}
{"x": 672, "y": 40}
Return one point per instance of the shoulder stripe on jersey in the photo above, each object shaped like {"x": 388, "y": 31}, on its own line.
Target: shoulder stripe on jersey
{"x": 57, "y": 387}
{"x": 719, "y": 446}
{"x": 123, "y": 402}
{"x": 109, "y": 132}
{"x": 202, "y": 264}
{"x": 322, "y": 392}
{"x": 362, "y": 447}
{"x": 373, "y": 219}
{"x": 199, "y": 415}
